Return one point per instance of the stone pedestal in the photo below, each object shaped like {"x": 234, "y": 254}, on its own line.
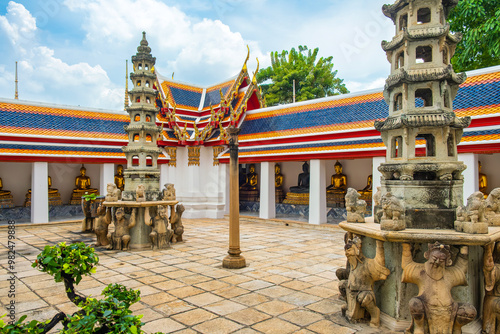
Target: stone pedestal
{"x": 249, "y": 195}
{"x": 139, "y": 234}
{"x": 393, "y": 296}
{"x": 280, "y": 195}
{"x": 428, "y": 204}
{"x": 336, "y": 200}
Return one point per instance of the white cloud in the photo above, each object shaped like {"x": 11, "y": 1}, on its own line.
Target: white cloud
{"x": 43, "y": 76}
{"x": 356, "y": 86}
{"x": 202, "y": 52}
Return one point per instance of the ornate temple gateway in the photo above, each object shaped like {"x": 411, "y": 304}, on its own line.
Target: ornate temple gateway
{"x": 428, "y": 239}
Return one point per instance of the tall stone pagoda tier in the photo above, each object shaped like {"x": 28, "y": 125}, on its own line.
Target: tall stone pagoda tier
{"x": 142, "y": 151}
{"x": 422, "y": 131}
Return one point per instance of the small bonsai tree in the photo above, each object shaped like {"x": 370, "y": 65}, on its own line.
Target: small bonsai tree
{"x": 69, "y": 263}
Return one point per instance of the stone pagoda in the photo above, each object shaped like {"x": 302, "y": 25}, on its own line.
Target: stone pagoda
{"x": 422, "y": 132}
{"x": 408, "y": 268}
{"x": 142, "y": 151}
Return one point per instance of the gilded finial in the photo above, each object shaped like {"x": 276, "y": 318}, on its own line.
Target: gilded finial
{"x": 248, "y": 56}
{"x": 127, "y": 101}
{"x": 254, "y": 79}
{"x": 173, "y": 75}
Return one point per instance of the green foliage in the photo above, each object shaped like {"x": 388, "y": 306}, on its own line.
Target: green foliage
{"x": 313, "y": 79}
{"x": 76, "y": 260}
{"x": 21, "y": 327}
{"x": 111, "y": 313}
{"x": 478, "y": 21}
{"x": 89, "y": 197}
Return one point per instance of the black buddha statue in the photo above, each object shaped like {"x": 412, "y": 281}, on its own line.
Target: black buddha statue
{"x": 303, "y": 182}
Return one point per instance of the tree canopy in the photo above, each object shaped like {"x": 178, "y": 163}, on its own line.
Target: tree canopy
{"x": 478, "y": 21}
{"x": 313, "y": 79}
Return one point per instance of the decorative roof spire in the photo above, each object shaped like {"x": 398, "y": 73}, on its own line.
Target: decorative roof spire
{"x": 16, "y": 96}
{"x": 126, "y": 85}
{"x": 144, "y": 41}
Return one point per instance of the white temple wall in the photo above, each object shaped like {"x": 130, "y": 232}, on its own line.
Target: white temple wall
{"x": 16, "y": 177}
{"x": 198, "y": 188}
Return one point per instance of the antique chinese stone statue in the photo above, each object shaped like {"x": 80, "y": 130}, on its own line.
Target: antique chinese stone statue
{"x": 176, "y": 223}
{"x": 339, "y": 181}
{"x": 483, "y": 180}
{"x": 120, "y": 238}
{"x": 278, "y": 183}
{"x": 491, "y": 304}
{"x": 472, "y": 219}
{"x": 160, "y": 235}
{"x": 252, "y": 179}
{"x": 392, "y": 213}
{"x": 114, "y": 194}
{"x": 101, "y": 226}
{"x": 82, "y": 183}
{"x": 355, "y": 207}
{"x": 119, "y": 179}
{"x": 140, "y": 195}
{"x": 358, "y": 286}
{"x": 377, "y": 208}
{"x": 303, "y": 181}
{"x": 493, "y": 207}
{"x": 434, "y": 310}
{"x": 169, "y": 192}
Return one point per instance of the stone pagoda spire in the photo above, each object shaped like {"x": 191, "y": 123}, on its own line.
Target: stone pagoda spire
{"x": 422, "y": 131}
{"x": 142, "y": 151}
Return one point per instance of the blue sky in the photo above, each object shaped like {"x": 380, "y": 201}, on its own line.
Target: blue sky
{"x": 73, "y": 52}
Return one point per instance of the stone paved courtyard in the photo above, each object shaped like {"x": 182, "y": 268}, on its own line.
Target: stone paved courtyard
{"x": 289, "y": 285}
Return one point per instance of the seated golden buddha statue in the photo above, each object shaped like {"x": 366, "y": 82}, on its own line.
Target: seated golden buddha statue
{"x": 366, "y": 192}
{"x": 339, "y": 181}
{"x": 251, "y": 180}
{"x": 3, "y": 193}
{"x": 278, "y": 178}
{"x": 82, "y": 183}
{"x": 483, "y": 181}
{"x": 119, "y": 180}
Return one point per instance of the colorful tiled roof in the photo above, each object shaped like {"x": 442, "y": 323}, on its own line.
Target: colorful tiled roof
{"x": 342, "y": 126}
{"x": 18, "y": 118}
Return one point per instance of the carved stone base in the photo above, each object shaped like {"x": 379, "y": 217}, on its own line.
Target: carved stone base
{"x": 335, "y": 200}
{"x": 297, "y": 198}
{"x": 234, "y": 262}
{"x": 473, "y": 228}
{"x": 249, "y": 195}
{"x": 392, "y": 224}
{"x": 353, "y": 217}
{"x": 494, "y": 219}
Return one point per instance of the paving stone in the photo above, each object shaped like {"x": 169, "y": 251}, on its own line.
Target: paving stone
{"x": 164, "y": 325}
{"x": 325, "y": 326}
{"x": 275, "y": 307}
{"x": 248, "y": 316}
{"x": 276, "y": 326}
{"x": 217, "y": 326}
{"x": 203, "y": 299}
{"x": 224, "y": 307}
{"x": 194, "y": 317}
{"x": 301, "y": 317}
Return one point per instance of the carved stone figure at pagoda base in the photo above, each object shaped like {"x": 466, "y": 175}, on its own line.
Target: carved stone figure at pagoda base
{"x": 278, "y": 184}
{"x": 120, "y": 238}
{"x": 101, "y": 226}
{"x": 113, "y": 193}
{"x": 169, "y": 192}
{"x": 434, "y": 310}
{"x": 119, "y": 179}
{"x": 472, "y": 218}
{"x": 160, "y": 235}
{"x": 392, "y": 213}
{"x": 82, "y": 183}
{"x": 176, "y": 223}
{"x": 355, "y": 207}
{"x": 493, "y": 207}
{"x": 491, "y": 304}
{"x": 249, "y": 190}
{"x": 358, "y": 286}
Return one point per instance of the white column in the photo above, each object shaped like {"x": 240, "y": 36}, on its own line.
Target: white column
{"x": 317, "y": 192}
{"x": 106, "y": 175}
{"x": 267, "y": 192}
{"x": 376, "y": 175}
{"x": 39, "y": 192}
{"x": 471, "y": 174}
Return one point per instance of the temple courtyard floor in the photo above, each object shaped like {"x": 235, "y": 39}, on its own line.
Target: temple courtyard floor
{"x": 288, "y": 286}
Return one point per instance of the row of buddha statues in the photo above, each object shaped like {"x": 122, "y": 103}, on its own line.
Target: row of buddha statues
{"x": 299, "y": 194}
